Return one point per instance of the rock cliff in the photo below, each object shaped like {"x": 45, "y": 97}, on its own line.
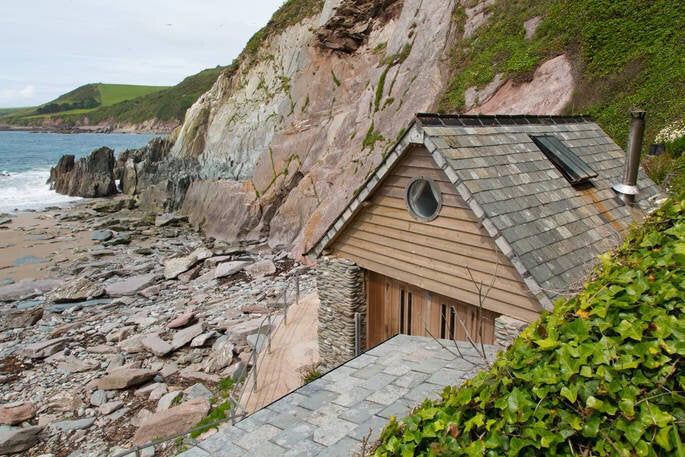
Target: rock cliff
{"x": 283, "y": 139}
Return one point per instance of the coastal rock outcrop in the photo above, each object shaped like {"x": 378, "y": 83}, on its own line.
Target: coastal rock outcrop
{"x": 90, "y": 176}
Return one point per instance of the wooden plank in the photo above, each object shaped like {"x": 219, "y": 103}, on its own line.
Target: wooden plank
{"x": 403, "y": 181}
{"x": 524, "y": 307}
{"x": 463, "y": 214}
{"x": 433, "y": 257}
{"x": 448, "y": 199}
{"x": 420, "y": 241}
{"x": 411, "y": 226}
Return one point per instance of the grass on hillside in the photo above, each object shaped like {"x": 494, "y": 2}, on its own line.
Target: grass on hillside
{"x": 602, "y": 375}
{"x": 127, "y": 103}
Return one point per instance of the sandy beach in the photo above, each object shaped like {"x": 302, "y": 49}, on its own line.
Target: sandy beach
{"x": 32, "y": 243}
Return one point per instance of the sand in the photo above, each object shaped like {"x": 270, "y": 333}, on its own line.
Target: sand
{"x": 33, "y": 242}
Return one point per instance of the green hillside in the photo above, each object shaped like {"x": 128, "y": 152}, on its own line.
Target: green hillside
{"x": 118, "y": 102}
{"x": 90, "y": 97}
{"x": 600, "y": 376}
{"x": 166, "y": 104}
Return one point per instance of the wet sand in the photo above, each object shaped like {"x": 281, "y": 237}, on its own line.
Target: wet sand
{"x": 34, "y": 242}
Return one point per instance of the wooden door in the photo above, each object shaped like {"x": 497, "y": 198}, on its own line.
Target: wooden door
{"x": 456, "y": 320}
{"x": 396, "y": 307}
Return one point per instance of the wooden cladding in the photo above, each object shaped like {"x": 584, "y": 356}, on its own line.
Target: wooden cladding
{"x": 397, "y": 307}
{"x": 448, "y": 256}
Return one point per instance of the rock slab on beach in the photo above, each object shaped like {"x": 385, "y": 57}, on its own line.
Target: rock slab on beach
{"x": 173, "y": 420}
{"x": 78, "y": 290}
{"x": 27, "y": 287}
{"x": 16, "y": 413}
{"x": 123, "y": 378}
{"x": 22, "y": 318}
{"x": 43, "y": 349}
{"x": 17, "y": 439}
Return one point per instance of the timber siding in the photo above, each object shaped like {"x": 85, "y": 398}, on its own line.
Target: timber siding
{"x": 437, "y": 255}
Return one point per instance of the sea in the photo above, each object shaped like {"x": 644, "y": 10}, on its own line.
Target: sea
{"x": 26, "y": 158}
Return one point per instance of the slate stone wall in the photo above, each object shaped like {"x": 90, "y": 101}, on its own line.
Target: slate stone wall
{"x": 507, "y": 329}
{"x": 341, "y": 294}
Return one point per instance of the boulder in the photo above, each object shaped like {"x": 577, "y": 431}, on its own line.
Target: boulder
{"x": 186, "y": 335}
{"x": 167, "y": 400}
{"x": 17, "y": 439}
{"x": 98, "y": 398}
{"x": 17, "y": 412}
{"x": 261, "y": 269}
{"x": 101, "y": 235}
{"x": 172, "y": 421}
{"x": 197, "y": 390}
{"x": 156, "y": 345}
{"x": 75, "y": 365}
{"x": 229, "y": 268}
{"x": 169, "y": 219}
{"x": 202, "y": 339}
{"x": 183, "y": 320}
{"x": 189, "y": 373}
{"x": 90, "y": 176}
{"x": 71, "y": 425}
{"x": 238, "y": 333}
{"x": 43, "y": 349}
{"x": 110, "y": 407}
{"x": 123, "y": 378}
{"x": 130, "y": 286}
{"x": 78, "y": 290}
{"x": 220, "y": 358}
{"x": 177, "y": 265}
{"x": 133, "y": 345}
{"x": 64, "y": 402}
{"x": 22, "y": 318}
{"x": 27, "y": 288}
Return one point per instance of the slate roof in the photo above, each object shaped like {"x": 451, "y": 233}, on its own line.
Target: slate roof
{"x": 550, "y": 230}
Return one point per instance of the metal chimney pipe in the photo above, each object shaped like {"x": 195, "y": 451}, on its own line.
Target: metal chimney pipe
{"x": 628, "y": 188}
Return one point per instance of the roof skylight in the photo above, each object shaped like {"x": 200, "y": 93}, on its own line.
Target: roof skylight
{"x": 572, "y": 167}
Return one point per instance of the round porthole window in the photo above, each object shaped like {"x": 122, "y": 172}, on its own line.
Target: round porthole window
{"x": 423, "y": 198}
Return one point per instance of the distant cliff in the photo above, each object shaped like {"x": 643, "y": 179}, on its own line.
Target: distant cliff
{"x": 288, "y": 132}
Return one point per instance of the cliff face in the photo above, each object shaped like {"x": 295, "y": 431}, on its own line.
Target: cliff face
{"x": 286, "y": 138}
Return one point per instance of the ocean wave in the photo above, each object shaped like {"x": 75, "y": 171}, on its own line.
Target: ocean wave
{"x": 27, "y": 190}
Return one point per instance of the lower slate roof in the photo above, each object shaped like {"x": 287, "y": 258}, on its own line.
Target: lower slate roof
{"x": 331, "y": 415}
{"x": 551, "y": 231}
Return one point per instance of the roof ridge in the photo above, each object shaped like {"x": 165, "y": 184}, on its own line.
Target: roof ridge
{"x": 482, "y": 120}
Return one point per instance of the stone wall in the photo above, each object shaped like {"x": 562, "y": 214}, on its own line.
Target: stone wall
{"x": 341, "y": 295}
{"x": 507, "y": 329}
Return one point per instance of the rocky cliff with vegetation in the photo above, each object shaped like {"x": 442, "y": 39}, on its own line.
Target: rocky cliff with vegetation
{"x": 291, "y": 129}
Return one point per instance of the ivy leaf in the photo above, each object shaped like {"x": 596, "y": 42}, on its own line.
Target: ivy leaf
{"x": 662, "y": 438}
{"x": 627, "y": 407}
{"x": 570, "y": 392}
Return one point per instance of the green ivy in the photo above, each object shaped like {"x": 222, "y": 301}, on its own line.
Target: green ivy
{"x": 602, "y": 375}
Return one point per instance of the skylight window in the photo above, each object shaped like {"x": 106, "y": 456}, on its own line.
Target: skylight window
{"x": 572, "y": 167}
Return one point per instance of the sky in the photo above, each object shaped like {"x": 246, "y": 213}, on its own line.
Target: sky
{"x": 50, "y": 47}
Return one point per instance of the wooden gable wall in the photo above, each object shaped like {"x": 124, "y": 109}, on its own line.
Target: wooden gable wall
{"x": 383, "y": 237}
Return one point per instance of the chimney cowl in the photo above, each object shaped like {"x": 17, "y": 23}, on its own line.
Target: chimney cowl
{"x": 628, "y": 188}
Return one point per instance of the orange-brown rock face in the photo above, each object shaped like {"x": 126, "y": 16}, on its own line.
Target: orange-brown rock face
{"x": 285, "y": 139}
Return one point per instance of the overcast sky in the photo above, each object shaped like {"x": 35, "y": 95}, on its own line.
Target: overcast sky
{"x": 49, "y": 47}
